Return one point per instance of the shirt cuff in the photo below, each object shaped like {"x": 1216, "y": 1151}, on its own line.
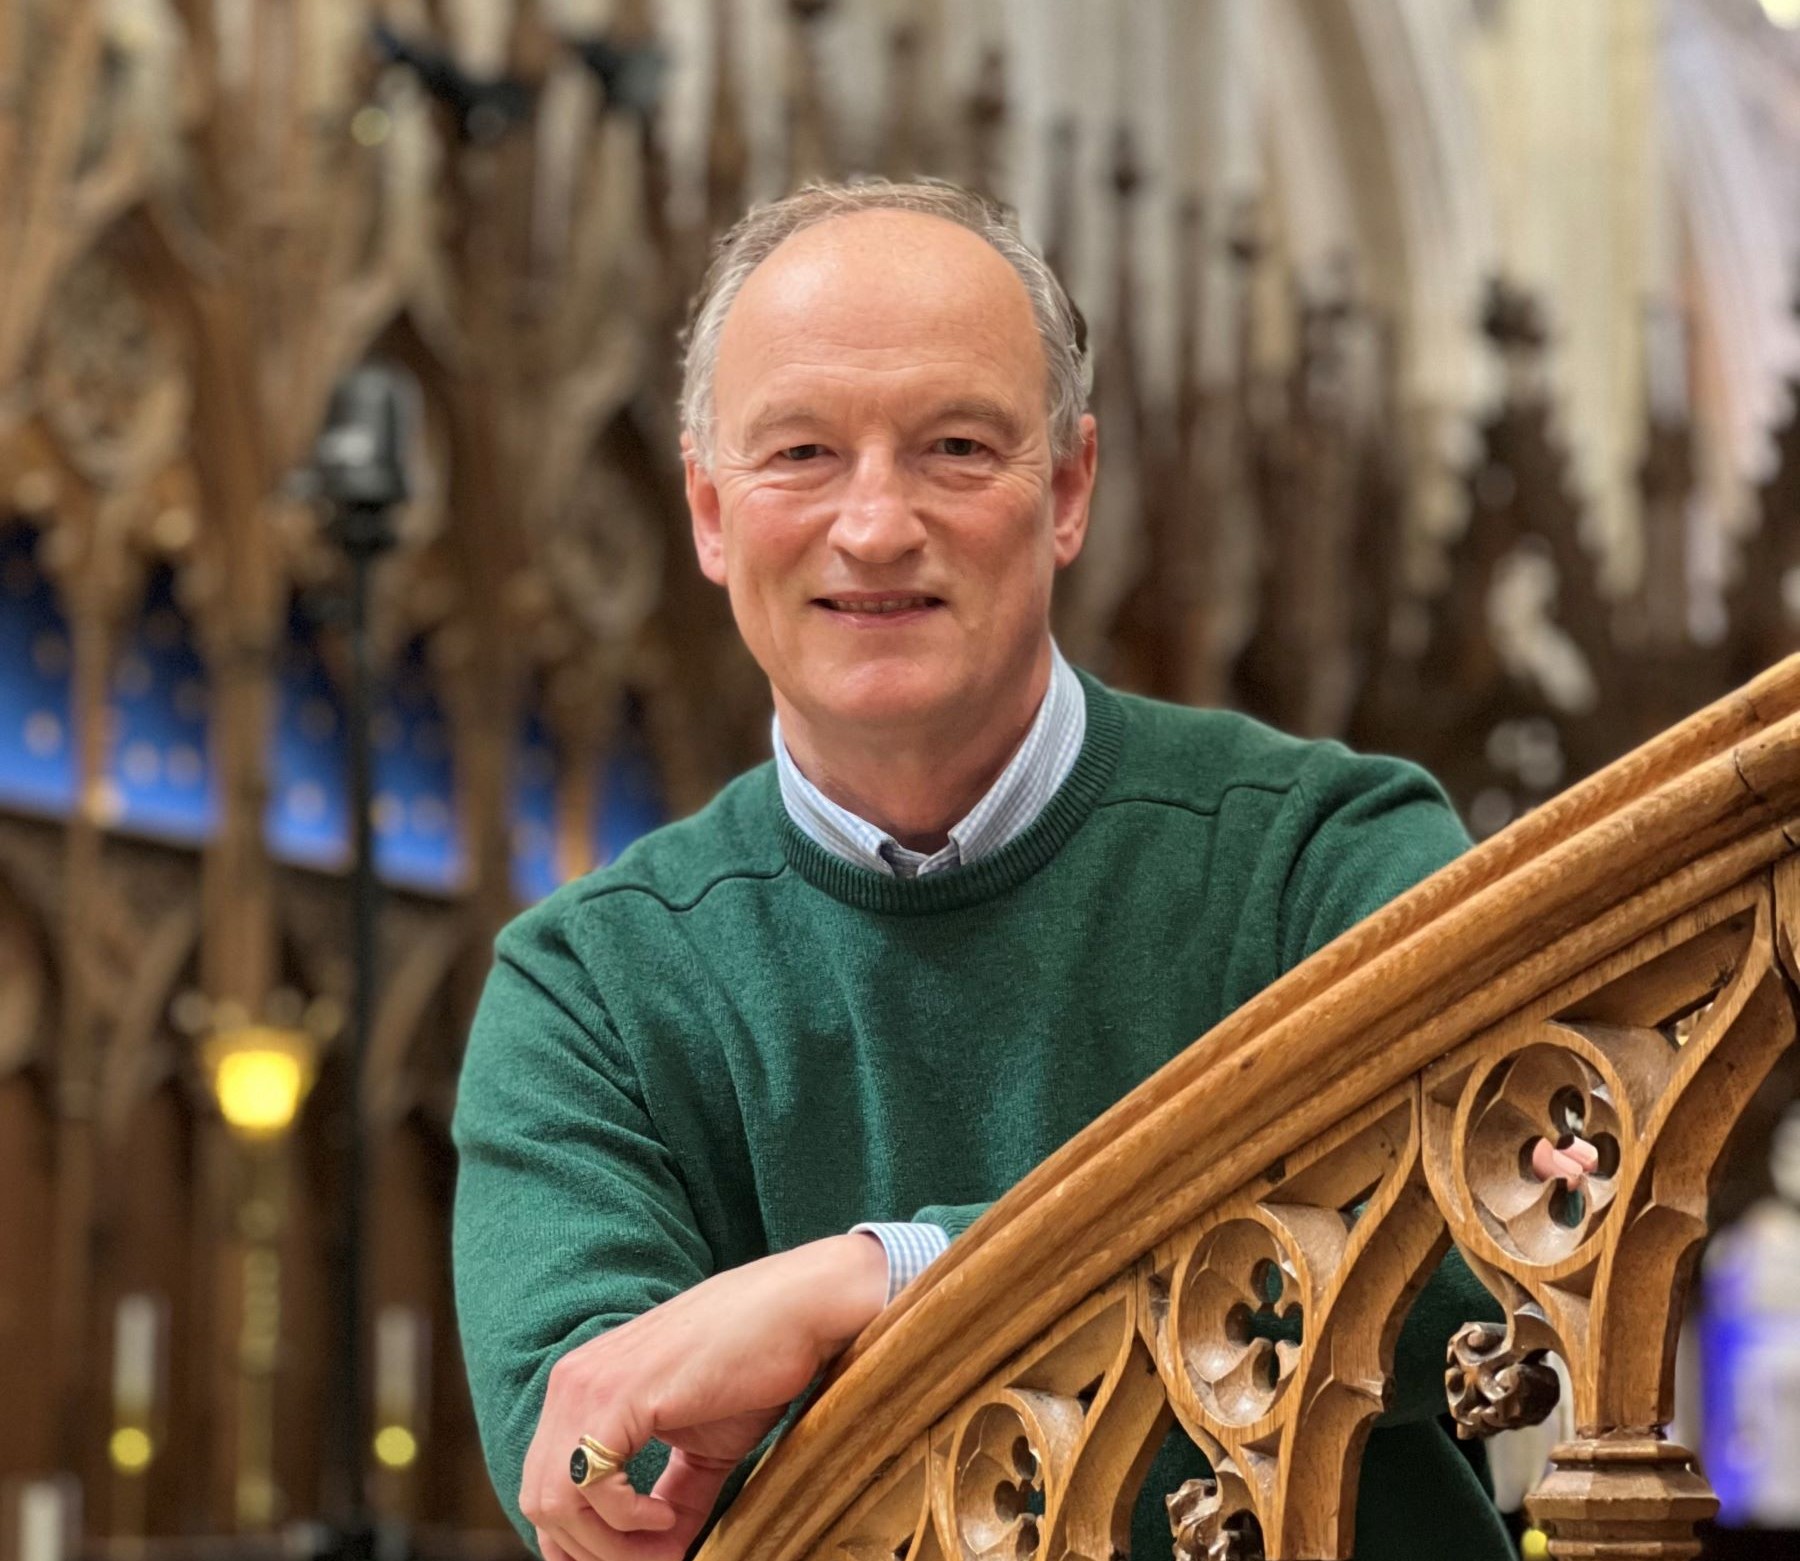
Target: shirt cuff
{"x": 910, "y": 1249}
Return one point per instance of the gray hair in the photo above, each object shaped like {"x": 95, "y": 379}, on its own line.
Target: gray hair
{"x": 756, "y": 235}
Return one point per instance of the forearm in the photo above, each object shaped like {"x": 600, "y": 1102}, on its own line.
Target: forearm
{"x": 846, "y": 1285}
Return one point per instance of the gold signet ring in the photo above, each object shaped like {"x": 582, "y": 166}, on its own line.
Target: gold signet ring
{"x": 593, "y": 1460}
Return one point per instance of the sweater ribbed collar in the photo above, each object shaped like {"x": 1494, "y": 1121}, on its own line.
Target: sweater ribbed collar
{"x": 1012, "y": 864}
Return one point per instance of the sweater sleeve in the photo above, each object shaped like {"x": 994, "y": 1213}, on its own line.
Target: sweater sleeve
{"x": 570, "y": 1214}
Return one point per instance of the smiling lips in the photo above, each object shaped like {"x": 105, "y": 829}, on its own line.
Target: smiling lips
{"x": 879, "y": 606}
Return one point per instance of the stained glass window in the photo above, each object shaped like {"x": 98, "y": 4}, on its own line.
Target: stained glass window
{"x": 631, "y": 801}
{"x": 158, "y": 778}
{"x": 37, "y": 749}
{"x": 308, "y": 818}
{"x": 628, "y": 799}
{"x": 416, "y": 837}
{"x": 534, "y": 843}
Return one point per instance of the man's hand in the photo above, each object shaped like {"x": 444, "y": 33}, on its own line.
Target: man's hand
{"x": 709, "y": 1372}
{"x": 1571, "y": 1163}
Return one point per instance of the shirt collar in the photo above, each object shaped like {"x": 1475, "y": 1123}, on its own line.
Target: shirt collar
{"x": 1030, "y": 779}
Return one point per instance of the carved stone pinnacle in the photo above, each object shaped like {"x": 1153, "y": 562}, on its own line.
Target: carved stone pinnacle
{"x": 1492, "y": 1388}
{"x": 1197, "y": 1518}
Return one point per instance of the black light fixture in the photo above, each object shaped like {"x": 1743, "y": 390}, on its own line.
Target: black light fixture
{"x": 359, "y": 467}
{"x": 630, "y": 73}
{"x": 482, "y": 108}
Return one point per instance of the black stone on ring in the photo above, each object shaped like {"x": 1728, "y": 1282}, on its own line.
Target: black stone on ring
{"x": 590, "y": 1460}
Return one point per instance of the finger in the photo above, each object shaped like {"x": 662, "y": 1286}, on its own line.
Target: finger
{"x": 554, "y": 1545}
{"x": 548, "y": 1547}
{"x": 601, "y": 1542}
{"x": 691, "y": 1485}
{"x": 1569, "y": 1168}
{"x": 592, "y": 1522}
{"x": 576, "y": 1534}
{"x": 1549, "y": 1163}
{"x": 1584, "y": 1153}
{"x": 618, "y": 1505}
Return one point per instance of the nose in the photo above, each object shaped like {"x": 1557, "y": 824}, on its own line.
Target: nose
{"x": 875, "y": 523}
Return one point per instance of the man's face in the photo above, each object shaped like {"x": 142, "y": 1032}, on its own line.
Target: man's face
{"x": 882, "y": 503}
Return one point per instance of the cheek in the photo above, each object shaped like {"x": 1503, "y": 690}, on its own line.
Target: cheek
{"x": 1012, "y": 547}
{"x": 762, "y": 548}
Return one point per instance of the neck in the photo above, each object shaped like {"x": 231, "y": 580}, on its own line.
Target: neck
{"x": 914, "y": 784}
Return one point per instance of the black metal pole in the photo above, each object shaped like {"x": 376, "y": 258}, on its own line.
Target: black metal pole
{"x": 363, "y": 532}
{"x": 360, "y": 465}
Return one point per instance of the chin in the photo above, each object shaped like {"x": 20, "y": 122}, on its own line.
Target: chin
{"x": 885, "y": 696}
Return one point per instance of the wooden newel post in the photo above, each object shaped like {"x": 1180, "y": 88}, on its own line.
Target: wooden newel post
{"x": 1625, "y": 1496}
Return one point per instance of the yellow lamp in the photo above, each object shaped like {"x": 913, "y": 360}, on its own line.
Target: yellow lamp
{"x": 396, "y": 1447}
{"x": 260, "y": 1076}
{"x": 131, "y": 1449}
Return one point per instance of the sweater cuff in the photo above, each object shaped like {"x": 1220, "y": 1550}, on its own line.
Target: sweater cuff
{"x": 911, "y": 1248}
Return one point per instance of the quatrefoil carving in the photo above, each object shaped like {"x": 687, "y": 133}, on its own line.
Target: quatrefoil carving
{"x": 1004, "y": 1473}
{"x": 1241, "y": 1320}
{"x": 1543, "y": 1091}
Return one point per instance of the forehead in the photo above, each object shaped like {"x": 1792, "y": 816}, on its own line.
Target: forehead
{"x": 877, "y": 300}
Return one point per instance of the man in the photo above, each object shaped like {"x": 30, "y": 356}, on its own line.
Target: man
{"x": 976, "y": 899}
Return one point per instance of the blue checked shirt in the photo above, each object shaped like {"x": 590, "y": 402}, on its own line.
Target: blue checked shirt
{"x": 1029, "y": 781}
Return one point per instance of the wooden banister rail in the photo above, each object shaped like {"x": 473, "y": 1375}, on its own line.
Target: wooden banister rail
{"x": 1620, "y": 965}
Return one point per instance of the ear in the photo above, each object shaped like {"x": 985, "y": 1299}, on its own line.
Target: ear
{"x": 703, "y": 510}
{"x": 1072, "y": 491}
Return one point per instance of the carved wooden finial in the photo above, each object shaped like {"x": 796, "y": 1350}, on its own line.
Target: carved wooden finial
{"x": 1205, "y": 1531}
{"x": 1493, "y": 1388}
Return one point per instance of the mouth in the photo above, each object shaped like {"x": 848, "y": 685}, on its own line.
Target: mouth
{"x": 874, "y": 606}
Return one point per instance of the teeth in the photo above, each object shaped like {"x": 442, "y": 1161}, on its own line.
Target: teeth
{"x": 886, "y": 604}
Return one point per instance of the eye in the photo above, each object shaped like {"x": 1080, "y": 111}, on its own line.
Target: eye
{"x": 802, "y": 452}
{"x": 957, "y": 444}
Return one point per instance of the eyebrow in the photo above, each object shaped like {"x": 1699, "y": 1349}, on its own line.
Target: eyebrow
{"x": 771, "y": 418}
{"x": 974, "y": 409}
{"x": 981, "y": 409}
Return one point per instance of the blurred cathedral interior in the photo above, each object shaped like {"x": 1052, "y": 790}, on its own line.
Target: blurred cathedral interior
{"x": 1448, "y": 378}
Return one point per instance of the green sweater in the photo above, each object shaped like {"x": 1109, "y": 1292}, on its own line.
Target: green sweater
{"x": 731, "y": 1042}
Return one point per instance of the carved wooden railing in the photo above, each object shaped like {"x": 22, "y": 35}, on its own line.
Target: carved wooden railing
{"x": 1618, "y": 966}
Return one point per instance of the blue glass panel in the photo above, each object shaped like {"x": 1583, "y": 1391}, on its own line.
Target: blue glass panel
{"x": 1749, "y": 1346}
{"x": 37, "y": 750}
{"x": 416, "y": 837}
{"x": 308, "y": 819}
{"x": 416, "y": 844}
{"x": 631, "y": 794}
{"x": 158, "y": 772}
{"x": 534, "y": 809}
